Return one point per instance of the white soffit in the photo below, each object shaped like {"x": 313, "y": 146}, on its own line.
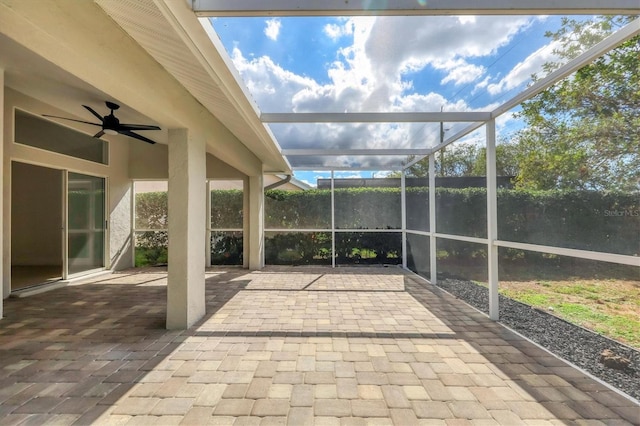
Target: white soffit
{"x": 145, "y": 22}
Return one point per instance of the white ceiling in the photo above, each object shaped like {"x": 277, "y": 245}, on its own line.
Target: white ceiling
{"x": 29, "y": 73}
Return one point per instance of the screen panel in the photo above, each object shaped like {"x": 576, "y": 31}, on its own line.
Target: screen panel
{"x": 297, "y": 248}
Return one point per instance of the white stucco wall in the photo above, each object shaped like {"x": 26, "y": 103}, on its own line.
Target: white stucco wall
{"x": 152, "y": 162}
{"x": 116, "y": 173}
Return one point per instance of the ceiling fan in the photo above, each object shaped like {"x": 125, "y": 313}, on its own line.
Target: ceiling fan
{"x": 111, "y": 125}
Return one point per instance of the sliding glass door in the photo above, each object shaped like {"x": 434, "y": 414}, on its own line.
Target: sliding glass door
{"x": 86, "y": 224}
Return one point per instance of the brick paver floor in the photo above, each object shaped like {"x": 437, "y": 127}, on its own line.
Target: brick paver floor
{"x": 298, "y": 346}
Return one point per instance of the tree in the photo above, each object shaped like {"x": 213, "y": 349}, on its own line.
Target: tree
{"x": 457, "y": 160}
{"x": 506, "y": 162}
{"x": 583, "y": 132}
{"x": 468, "y": 160}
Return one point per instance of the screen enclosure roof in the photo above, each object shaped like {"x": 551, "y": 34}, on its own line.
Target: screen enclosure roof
{"x": 380, "y": 84}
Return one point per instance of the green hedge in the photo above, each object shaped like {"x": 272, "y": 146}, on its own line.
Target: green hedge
{"x": 152, "y": 210}
{"x": 226, "y": 248}
{"x": 297, "y": 209}
{"x": 226, "y": 209}
{"x": 587, "y": 220}
{"x": 368, "y": 208}
{"x": 297, "y": 248}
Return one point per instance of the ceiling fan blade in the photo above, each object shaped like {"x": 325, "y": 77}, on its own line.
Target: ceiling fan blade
{"x": 135, "y": 136}
{"x": 137, "y": 127}
{"x": 99, "y": 134}
{"x": 71, "y": 119}
{"x": 92, "y": 111}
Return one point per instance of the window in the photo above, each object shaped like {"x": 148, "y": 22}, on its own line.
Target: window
{"x": 44, "y": 134}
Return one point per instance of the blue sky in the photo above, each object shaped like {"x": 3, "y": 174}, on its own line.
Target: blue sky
{"x": 385, "y": 64}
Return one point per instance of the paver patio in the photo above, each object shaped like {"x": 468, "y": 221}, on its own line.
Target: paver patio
{"x": 282, "y": 346}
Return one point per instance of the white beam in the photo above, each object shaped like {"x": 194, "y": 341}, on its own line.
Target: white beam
{"x": 580, "y": 254}
{"x": 410, "y": 7}
{"x": 333, "y": 221}
{"x": 416, "y": 160}
{"x": 403, "y": 210}
{"x": 462, "y": 133}
{"x": 433, "y": 259}
{"x": 348, "y": 168}
{"x": 338, "y": 152}
{"x": 492, "y": 221}
{"x": 374, "y": 117}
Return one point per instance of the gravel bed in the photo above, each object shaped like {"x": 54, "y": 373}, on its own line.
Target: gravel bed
{"x": 575, "y": 344}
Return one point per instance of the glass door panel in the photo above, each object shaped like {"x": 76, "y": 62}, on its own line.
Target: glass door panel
{"x": 86, "y": 223}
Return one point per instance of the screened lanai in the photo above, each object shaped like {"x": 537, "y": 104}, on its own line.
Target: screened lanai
{"x": 366, "y": 91}
{"x": 382, "y": 94}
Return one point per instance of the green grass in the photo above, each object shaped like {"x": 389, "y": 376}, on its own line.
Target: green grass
{"x": 619, "y": 327}
{"x": 601, "y": 306}
{"x": 533, "y": 299}
{"x": 577, "y": 289}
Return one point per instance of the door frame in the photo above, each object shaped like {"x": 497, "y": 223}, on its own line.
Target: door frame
{"x": 64, "y": 235}
{"x": 65, "y": 226}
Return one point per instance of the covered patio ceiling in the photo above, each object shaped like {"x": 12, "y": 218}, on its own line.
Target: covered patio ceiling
{"x": 319, "y": 125}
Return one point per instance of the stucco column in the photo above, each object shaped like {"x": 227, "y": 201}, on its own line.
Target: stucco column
{"x": 246, "y": 230}
{"x": 256, "y": 222}
{"x": 187, "y": 224}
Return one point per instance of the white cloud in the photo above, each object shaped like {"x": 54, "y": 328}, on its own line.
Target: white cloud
{"x": 336, "y": 31}
{"x": 460, "y": 72}
{"x": 369, "y": 74}
{"x": 373, "y": 73}
{"x": 523, "y": 70}
{"x": 418, "y": 42}
{"x": 348, "y": 175}
{"x": 273, "y": 87}
{"x": 504, "y": 120}
{"x": 272, "y": 30}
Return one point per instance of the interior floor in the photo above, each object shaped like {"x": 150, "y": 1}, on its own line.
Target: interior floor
{"x": 32, "y": 275}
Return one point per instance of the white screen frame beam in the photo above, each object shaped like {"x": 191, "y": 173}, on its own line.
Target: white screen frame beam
{"x": 375, "y": 117}
{"x": 410, "y": 7}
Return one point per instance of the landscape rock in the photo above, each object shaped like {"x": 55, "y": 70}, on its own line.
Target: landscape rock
{"x": 611, "y": 360}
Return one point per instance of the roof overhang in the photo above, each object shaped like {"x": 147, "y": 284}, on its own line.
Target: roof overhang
{"x": 171, "y": 33}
